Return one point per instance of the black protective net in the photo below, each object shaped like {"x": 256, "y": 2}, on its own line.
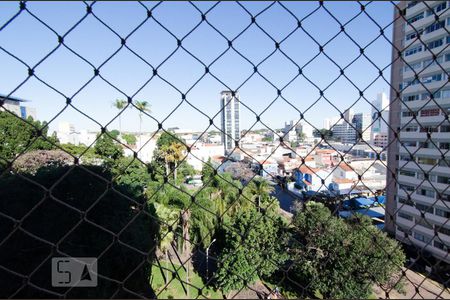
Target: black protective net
{"x": 235, "y": 207}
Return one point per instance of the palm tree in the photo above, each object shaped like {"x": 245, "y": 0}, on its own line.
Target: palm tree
{"x": 168, "y": 216}
{"x": 172, "y": 155}
{"x": 260, "y": 187}
{"x": 142, "y": 106}
{"x": 119, "y": 104}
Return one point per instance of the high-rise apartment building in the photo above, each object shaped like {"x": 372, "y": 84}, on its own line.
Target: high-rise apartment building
{"x": 418, "y": 201}
{"x": 229, "y": 113}
{"x": 361, "y": 123}
{"x": 352, "y": 128}
{"x": 380, "y": 119}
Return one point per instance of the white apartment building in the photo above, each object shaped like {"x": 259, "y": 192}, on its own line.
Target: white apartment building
{"x": 329, "y": 122}
{"x": 229, "y": 113}
{"x": 67, "y": 134}
{"x": 422, "y": 195}
{"x": 306, "y": 129}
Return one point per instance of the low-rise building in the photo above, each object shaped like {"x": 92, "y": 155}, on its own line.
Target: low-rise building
{"x": 13, "y": 104}
{"x": 312, "y": 179}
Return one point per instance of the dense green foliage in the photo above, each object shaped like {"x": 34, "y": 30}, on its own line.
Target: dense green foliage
{"x": 18, "y": 136}
{"x": 326, "y": 133}
{"x": 86, "y": 229}
{"x": 341, "y": 259}
{"x": 254, "y": 247}
{"x": 129, "y": 138}
{"x": 107, "y": 148}
{"x": 86, "y": 154}
{"x": 131, "y": 173}
{"x": 167, "y": 156}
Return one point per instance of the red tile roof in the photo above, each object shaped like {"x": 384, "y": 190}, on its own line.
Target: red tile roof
{"x": 305, "y": 169}
{"x": 346, "y": 167}
{"x": 343, "y": 180}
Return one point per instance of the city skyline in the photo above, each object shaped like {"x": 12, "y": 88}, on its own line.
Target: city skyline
{"x": 246, "y": 149}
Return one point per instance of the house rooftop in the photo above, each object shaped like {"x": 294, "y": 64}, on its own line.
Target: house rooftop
{"x": 305, "y": 169}
{"x": 342, "y": 180}
{"x": 344, "y": 166}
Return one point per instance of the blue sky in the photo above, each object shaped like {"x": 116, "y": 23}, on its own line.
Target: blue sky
{"x": 30, "y": 40}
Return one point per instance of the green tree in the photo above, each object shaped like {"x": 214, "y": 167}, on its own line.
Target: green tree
{"x": 130, "y": 139}
{"x": 259, "y": 189}
{"x": 86, "y": 155}
{"x": 130, "y": 173}
{"x": 114, "y": 134}
{"x": 168, "y": 218}
{"x": 168, "y": 153}
{"x": 338, "y": 258}
{"x": 204, "y": 223}
{"x": 105, "y": 214}
{"x": 301, "y": 136}
{"x": 173, "y": 154}
{"x": 143, "y": 107}
{"x": 326, "y": 133}
{"x": 208, "y": 171}
{"x": 120, "y": 104}
{"x": 108, "y": 149}
{"x": 254, "y": 247}
{"x": 17, "y": 136}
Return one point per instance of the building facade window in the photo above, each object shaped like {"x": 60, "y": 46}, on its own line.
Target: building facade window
{"x": 444, "y": 230}
{"x": 405, "y": 216}
{"x": 424, "y": 208}
{"x": 434, "y": 26}
{"x": 444, "y": 146}
{"x": 415, "y": 18}
{"x": 411, "y": 4}
{"x": 442, "y": 213}
{"x": 408, "y": 114}
{"x": 407, "y": 173}
{"x": 428, "y": 129}
{"x": 411, "y": 98}
{"x": 426, "y": 161}
{"x": 435, "y": 77}
{"x": 413, "y": 66}
{"x": 444, "y": 162}
{"x": 405, "y": 201}
{"x": 411, "y": 128}
{"x": 413, "y": 50}
{"x": 424, "y": 223}
{"x": 414, "y": 34}
{"x": 421, "y": 237}
{"x": 430, "y": 112}
{"x": 435, "y": 44}
{"x": 445, "y": 94}
{"x": 443, "y": 179}
{"x": 441, "y": 246}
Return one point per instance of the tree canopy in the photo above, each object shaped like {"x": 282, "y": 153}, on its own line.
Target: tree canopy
{"x": 107, "y": 148}
{"x": 97, "y": 215}
{"x": 338, "y": 258}
{"x": 18, "y": 136}
{"x": 254, "y": 247}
